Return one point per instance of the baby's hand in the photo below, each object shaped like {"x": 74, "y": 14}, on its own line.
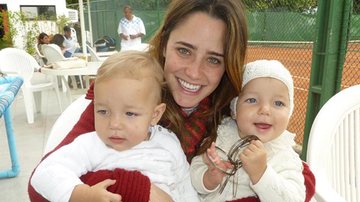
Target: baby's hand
{"x": 214, "y": 176}
{"x": 216, "y": 160}
{"x": 253, "y": 158}
{"x": 100, "y": 192}
{"x": 94, "y": 193}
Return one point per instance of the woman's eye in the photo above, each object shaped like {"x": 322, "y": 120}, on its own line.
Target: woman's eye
{"x": 279, "y": 104}
{"x": 214, "y": 61}
{"x": 183, "y": 51}
{"x": 250, "y": 100}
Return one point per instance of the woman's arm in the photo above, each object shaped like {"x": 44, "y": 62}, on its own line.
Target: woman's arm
{"x": 131, "y": 185}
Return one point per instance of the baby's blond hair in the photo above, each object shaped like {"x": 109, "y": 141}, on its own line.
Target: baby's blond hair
{"x": 132, "y": 64}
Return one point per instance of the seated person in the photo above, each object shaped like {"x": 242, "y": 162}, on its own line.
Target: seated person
{"x": 58, "y": 39}
{"x": 70, "y": 42}
{"x": 42, "y": 39}
{"x": 127, "y": 100}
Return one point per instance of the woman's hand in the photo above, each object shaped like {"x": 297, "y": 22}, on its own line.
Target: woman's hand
{"x": 156, "y": 194}
{"x": 96, "y": 193}
{"x": 214, "y": 176}
{"x": 254, "y": 160}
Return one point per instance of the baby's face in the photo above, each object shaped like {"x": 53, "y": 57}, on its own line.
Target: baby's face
{"x": 124, "y": 109}
{"x": 263, "y": 109}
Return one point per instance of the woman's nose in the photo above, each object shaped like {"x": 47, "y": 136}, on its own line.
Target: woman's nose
{"x": 194, "y": 69}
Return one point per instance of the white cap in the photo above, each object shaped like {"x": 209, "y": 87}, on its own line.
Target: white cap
{"x": 266, "y": 68}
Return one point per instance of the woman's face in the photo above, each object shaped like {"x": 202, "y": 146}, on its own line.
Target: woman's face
{"x": 194, "y": 58}
{"x": 45, "y": 40}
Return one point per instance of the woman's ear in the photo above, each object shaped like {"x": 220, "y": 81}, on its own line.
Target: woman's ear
{"x": 158, "y": 112}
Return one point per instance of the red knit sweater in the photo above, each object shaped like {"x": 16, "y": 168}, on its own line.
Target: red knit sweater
{"x": 132, "y": 185}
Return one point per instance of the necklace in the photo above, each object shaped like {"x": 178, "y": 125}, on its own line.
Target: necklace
{"x": 189, "y": 110}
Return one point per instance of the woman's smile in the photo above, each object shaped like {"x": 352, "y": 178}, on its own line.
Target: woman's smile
{"x": 188, "y": 86}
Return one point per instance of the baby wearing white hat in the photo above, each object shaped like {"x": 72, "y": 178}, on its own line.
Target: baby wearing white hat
{"x": 270, "y": 170}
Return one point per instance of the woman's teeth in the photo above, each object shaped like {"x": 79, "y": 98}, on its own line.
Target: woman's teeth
{"x": 189, "y": 86}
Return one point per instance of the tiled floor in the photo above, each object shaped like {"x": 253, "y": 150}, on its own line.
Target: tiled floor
{"x": 30, "y": 143}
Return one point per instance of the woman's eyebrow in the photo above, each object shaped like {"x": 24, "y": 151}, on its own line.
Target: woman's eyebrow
{"x": 186, "y": 44}
{"x": 216, "y": 54}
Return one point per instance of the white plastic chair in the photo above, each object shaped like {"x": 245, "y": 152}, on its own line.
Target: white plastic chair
{"x": 18, "y": 62}
{"x": 94, "y": 56}
{"x": 40, "y": 57}
{"x": 55, "y": 57}
{"x": 334, "y": 148}
{"x": 65, "y": 122}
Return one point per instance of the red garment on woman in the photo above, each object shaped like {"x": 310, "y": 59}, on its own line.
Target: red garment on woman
{"x": 135, "y": 191}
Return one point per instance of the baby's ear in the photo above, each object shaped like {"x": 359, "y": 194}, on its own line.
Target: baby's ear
{"x": 158, "y": 112}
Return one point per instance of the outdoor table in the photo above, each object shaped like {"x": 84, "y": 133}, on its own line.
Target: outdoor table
{"x": 90, "y": 69}
{"x": 9, "y": 87}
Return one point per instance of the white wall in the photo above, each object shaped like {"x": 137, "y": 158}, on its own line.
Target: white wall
{"x": 14, "y": 5}
{"x": 48, "y": 27}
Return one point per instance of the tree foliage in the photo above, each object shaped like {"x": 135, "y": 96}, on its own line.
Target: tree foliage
{"x": 144, "y": 5}
{"x": 290, "y": 5}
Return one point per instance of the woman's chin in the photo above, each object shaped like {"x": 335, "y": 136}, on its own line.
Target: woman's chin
{"x": 186, "y": 102}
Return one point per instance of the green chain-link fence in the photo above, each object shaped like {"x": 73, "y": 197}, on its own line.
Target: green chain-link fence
{"x": 287, "y": 35}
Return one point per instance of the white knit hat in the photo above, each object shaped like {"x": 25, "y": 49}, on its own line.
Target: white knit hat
{"x": 266, "y": 68}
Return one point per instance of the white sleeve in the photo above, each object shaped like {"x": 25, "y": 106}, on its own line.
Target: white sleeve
{"x": 180, "y": 189}
{"x": 142, "y": 27}
{"x": 184, "y": 186}
{"x": 282, "y": 181}
{"x": 57, "y": 175}
{"x": 197, "y": 171}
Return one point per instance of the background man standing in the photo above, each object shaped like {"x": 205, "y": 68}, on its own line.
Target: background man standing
{"x": 131, "y": 29}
